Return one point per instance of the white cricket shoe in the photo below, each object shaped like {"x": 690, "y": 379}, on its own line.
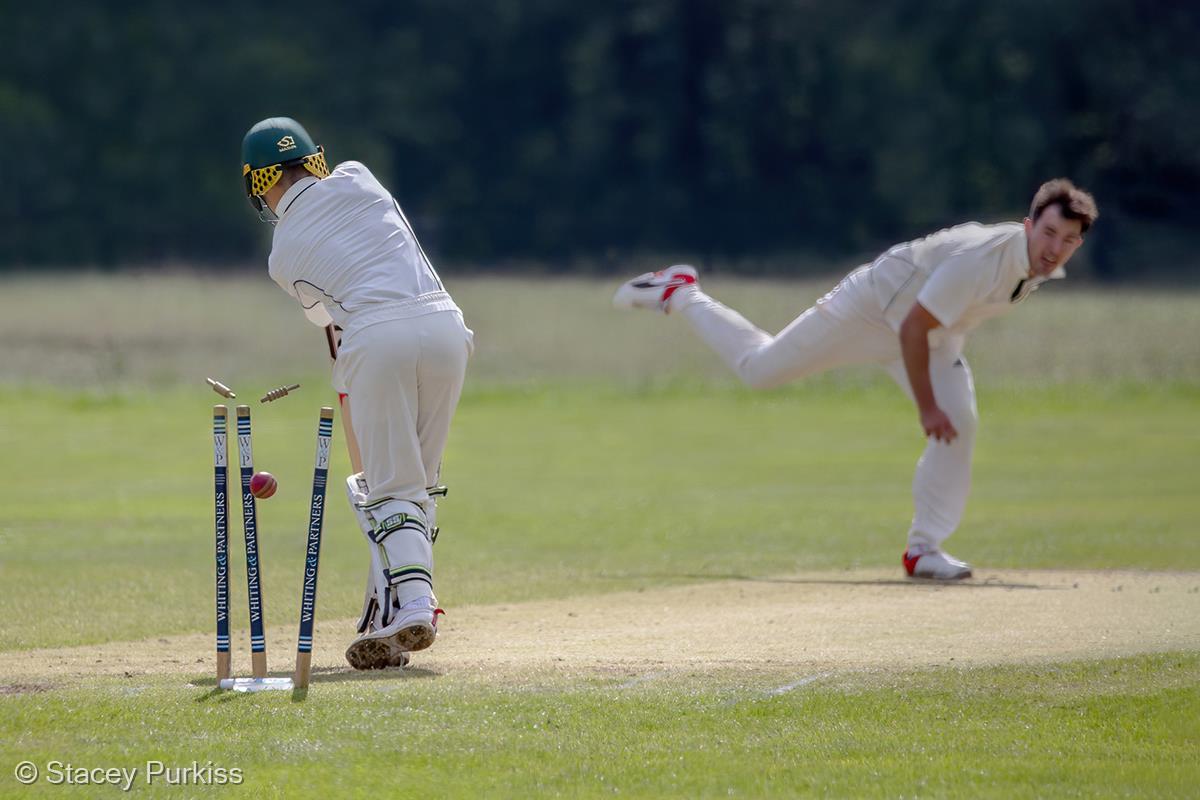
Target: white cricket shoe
{"x": 367, "y": 652}
{"x": 653, "y": 290}
{"x": 413, "y": 628}
{"x": 936, "y": 565}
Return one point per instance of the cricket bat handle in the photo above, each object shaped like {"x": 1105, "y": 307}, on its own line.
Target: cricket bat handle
{"x": 333, "y": 337}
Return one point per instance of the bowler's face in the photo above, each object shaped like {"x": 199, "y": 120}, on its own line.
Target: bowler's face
{"x": 1053, "y": 239}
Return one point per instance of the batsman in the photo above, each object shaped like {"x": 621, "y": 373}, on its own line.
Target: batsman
{"x": 344, "y": 250}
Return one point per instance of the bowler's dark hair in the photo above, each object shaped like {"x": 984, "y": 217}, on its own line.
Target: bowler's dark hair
{"x": 1072, "y": 202}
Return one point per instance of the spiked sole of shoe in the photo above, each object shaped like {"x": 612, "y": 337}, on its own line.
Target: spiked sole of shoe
{"x": 415, "y": 637}
{"x": 370, "y": 654}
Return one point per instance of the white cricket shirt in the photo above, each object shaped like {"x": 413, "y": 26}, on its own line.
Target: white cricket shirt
{"x": 962, "y": 275}
{"x": 343, "y": 248}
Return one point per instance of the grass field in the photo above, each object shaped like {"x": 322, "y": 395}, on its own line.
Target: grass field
{"x": 595, "y": 455}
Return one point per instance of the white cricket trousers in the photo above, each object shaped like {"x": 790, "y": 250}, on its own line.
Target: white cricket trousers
{"x": 846, "y": 327}
{"x": 404, "y": 378}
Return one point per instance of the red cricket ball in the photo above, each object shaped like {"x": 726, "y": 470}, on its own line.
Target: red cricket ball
{"x": 263, "y": 485}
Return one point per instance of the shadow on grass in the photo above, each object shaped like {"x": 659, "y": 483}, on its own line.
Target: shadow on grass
{"x": 347, "y": 675}
{"x": 344, "y": 675}
{"x": 319, "y": 675}
{"x": 986, "y": 583}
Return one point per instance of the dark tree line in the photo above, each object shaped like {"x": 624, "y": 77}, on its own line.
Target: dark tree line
{"x": 553, "y": 131}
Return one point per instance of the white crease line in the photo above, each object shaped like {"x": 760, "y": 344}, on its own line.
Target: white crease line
{"x": 777, "y": 691}
{"x": 640, "y": 679}
{"x": 792, "y": 686}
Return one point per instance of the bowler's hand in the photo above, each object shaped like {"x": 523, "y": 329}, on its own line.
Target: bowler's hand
{"x": 938, "y": 425}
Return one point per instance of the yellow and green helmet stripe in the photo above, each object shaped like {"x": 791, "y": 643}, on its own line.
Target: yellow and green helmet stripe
{"x": 272, "y": 144}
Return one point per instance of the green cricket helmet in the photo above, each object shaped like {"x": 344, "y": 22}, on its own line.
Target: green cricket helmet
{"x": 270, "y": 146}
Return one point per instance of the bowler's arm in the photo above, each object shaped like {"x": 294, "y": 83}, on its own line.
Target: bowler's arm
{"x": 914, "y": 346}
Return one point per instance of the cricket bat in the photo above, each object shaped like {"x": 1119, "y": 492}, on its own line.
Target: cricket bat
{"x": 333, "y": 337}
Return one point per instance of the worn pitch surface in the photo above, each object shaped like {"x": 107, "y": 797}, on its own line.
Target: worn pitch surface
{"x": 865, "y": 619}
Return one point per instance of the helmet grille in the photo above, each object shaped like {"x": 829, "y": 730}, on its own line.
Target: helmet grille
{"x": 259, "y": 181}
{"x": 262, "y": 179}
{"x": 316, "y": 163}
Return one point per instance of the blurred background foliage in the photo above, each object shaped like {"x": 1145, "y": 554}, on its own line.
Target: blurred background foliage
{"x": 574, "y": 135}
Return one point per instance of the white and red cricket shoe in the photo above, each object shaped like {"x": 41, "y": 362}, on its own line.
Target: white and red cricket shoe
{"x": 414, "y": 627}
{"x": 936, "y": 565}
{"x": 653, "y": 290}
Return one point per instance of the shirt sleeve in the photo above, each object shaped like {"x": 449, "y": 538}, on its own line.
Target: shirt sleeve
{"x": 958, "y": 283}
{"x": 318, "y": 315}
{"x": 314, "y": 309}
{"x": 311, "y": 301}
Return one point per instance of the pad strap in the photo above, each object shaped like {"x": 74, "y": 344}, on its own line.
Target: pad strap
{"x": 408, "y": 572}
{"x": 434, "y": 492}
{"x": 370, "y": 609}
{"x": 398, "y": 522}
{"x": 395, "y": 577}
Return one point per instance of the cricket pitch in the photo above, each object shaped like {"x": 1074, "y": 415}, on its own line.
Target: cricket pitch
{"x": 808, "y": 622}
